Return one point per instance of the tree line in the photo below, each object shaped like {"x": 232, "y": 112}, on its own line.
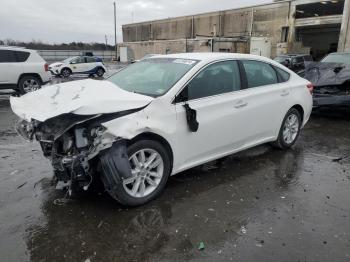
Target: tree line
{"x": 39, "y": 45}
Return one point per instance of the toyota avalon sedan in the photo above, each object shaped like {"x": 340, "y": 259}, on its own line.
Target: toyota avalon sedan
{"x": 161, "y": 116}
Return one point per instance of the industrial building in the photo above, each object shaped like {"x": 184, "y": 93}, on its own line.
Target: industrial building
{"x": 292, "y": 26}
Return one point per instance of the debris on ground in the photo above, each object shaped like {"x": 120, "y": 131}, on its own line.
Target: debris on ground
{"x": 22, "y": 185}
{"x": 61, "y": 201}
{"x": 243, "y": 230}
{"x": 201, "y": 246}
{"x": 100, "y": 224}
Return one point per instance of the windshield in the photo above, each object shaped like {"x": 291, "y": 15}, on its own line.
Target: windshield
{"x": 67, "y": 60}
{"x": 337, "y": 58}
{"x": 152, "y": 77}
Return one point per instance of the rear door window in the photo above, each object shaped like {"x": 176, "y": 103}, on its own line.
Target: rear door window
{"x": 8, "y": 56}
{"x": 259, "y": 73}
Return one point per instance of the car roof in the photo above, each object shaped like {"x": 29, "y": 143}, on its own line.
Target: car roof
{"x": 207, "y": 57}
{"x": 14, "y": 48}
{"x": 292, "y": 55}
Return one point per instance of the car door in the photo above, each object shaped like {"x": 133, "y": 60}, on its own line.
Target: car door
{"x": 266, "y": 100}
{"x": 78, "y": 65}
{"x": 211, "y": 93}
{"x": 91, "y": 64}
{"x": 10, "y": 69}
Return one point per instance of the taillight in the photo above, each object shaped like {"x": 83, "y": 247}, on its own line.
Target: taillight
{"x": 310, "y": 87}
{"x": 46, "y": 66}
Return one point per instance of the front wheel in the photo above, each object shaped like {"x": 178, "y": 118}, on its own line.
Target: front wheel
{"x": 150, "y": 167}
{"x": 290, "y": 129}
{"x": 66, "y": 72}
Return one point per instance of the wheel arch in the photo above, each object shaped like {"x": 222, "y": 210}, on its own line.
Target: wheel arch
{"x": 30, "y": 74}
{"x": 301, "y": 111}
{"x": 66, "y": 67}
{"x": 158, "y": 138}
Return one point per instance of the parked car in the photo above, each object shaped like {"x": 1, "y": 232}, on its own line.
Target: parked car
{"x": 295, "y": 62}
{"x": 79, "y": 65}
{"x": 331, "y": 80}
{"x": 22, "y": 70}
{"x": 161, "y": 116}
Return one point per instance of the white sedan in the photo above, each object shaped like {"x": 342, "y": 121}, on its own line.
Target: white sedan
{"x": 88, "y": 65}
{"x": 161, "y": 116}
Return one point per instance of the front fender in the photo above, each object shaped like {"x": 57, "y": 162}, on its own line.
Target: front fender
{"x": 144, "y": 121}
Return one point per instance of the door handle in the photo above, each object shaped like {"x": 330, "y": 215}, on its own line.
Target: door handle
{"x": 285, "y": 93}
{"x": 241, "y": 104}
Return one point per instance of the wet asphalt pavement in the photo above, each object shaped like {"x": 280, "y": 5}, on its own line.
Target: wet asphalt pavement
{"x": 259, "y": 205}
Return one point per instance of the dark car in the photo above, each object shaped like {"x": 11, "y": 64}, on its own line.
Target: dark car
{"x": 295, "y": 62}
{"x": 331, "y": 80}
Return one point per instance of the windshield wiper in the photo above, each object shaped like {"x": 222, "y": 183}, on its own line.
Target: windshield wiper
{"x": 145, "y": 94}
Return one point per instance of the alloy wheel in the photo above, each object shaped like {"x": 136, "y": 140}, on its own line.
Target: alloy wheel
{"x": 291, "y": 129}
{"x": 147, "y": 168}
{"x": 30, "y": 85}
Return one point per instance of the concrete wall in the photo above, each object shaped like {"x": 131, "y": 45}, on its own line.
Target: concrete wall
{"x": 266, "y": 21}
{"x": 59, "y": 55}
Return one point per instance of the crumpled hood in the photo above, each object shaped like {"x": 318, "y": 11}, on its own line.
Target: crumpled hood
{"x": 327, "y": 74}
{"x": 84, "y": 97}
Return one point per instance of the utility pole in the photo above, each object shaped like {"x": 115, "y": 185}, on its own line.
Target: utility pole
{"x": 106, "y": 40}
{"x": 115, "y": 31}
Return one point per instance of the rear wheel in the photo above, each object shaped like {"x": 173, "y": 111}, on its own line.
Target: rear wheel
{"x": 150, "y": 168}
{"x": 100, "y": 72}
{"x": 290, "y": 129}
{"x": 28, "y": 84}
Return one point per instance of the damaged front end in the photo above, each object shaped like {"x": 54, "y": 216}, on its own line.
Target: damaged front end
{"x": 331, "y": 83}
{"x": 76, "y": 146}
{"x": 332, "y": 95}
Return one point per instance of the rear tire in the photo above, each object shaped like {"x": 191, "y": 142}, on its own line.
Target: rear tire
{"x": 125, "y": 192}
{"x": 100, "y": 72}
{"x": 290, "y": 130}
{"x": 28, "y": 84}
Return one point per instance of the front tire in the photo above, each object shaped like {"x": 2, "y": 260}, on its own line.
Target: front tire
{"x": 28, "y": 84}
{"x": 290, "y": 130}
{"x": 151, "y": 166}
{"x": 66, "y": 72}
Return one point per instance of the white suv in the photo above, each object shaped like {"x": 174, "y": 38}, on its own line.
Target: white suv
{"x": 23, "y": 70}
{"x": 88, "y": 65}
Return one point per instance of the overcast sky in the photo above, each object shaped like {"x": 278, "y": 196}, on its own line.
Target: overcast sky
{"x": 90, "y": 20}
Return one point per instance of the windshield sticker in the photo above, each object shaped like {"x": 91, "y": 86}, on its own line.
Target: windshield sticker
{"x": 184, "y": 61}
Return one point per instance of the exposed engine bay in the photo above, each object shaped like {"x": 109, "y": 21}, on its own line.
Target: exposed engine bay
{"x": 73, "y": 142}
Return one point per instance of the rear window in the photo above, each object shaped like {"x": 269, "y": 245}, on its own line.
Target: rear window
{"x": 259, "y": 73}
{"x": 22, "y": 56}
